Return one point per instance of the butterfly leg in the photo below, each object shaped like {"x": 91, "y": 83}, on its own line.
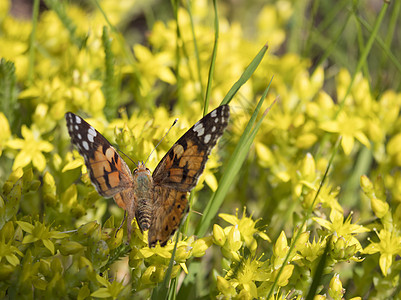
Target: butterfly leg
{"x": 122, "y": 223}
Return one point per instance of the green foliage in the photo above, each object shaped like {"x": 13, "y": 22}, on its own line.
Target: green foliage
{"x": 318, "y": 178}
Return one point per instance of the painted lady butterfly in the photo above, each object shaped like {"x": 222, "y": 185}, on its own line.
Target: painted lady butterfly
{"x": 158, "y": 201}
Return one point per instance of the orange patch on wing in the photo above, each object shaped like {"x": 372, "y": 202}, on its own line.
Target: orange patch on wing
{"x": 176, "y": 175}
{"x": 102, "y": 183}
{"x": 119, "y": 200}
{"x": 114, "y": 179}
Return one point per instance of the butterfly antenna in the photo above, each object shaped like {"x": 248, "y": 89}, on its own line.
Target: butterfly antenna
{"x": 175, "y": 121}
{"x": 128, "y": 158}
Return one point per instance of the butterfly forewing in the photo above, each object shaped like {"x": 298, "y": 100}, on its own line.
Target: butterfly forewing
{"x": 108, "y": 171}
{"x": 182, "y": 165}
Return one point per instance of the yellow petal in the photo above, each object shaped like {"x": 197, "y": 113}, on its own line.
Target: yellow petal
{"x": 347, "y": 142}
{"x": 39, "y": 161}
{"x": 385, "y": 262}
{"x": 360, "y": 136}
{"x": 21, "y": 160}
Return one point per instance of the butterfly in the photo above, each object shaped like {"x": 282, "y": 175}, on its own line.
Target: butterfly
{"x": 158, "y": 201}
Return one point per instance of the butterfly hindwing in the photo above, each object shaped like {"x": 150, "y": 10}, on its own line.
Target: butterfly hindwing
{"x": 108, "y": 171}
{"x": 170, "y": 206}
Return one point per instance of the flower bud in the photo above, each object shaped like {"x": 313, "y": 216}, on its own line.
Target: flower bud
{"x": 379, "y": 207}
{"x": 336, "y": 288}
{"x": 70, "y": 247}
{"x": 234, "y": 239}
{"x": 308, "y": 167}
{"x": 89, "y": 230}
{"x": 146, "y": 276}
{"x": 366, "y": 185}
{"x": 200, "y": 246}
{"x": 225, "y": 287}
{"x": 285, "y": 275}
{"x": 281, "y": 245}
{"x": 219, "y": 237}
{"x": 182, "y": 253}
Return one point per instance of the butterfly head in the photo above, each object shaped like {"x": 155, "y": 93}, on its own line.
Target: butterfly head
{"x": 141, "y": 169}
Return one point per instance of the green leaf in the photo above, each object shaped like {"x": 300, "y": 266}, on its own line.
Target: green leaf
{"x": 8, "y": 91}
{"x": 27, "y": 227}
{"x": 245, "y": 76}
{"x": 101, "y": 293}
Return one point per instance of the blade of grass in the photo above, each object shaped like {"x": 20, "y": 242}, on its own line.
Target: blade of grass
{"x": 250, "y": 69}
{"x": 212, "y": 63}
{"x": 361, "y": 62}
{"x": 310, "y": 23}
{"x": 233, "y": 167}
{"x": 109, "y": 81}
{"x": 332, "y": 46}
{"x": 395, "y": 13}
{"x": 350, "y": 190}
{"x": 307, "y": 217}
{"x": 58, "y": 7}
{"x": 128, "y": 53}
{"x": 198, "y": 65}
{"x": 174, "y": 4}
{"x": 383, "y": 45}
{"x": 361, "y": 43}
{"x": 365, "y": 52}
{"x": 8, "y": 92}
{"x": 35, "y": 14}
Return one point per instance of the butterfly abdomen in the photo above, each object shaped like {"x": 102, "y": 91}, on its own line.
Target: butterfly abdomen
{"x": 143, "y": 187}
{"x": 144, "y": 213}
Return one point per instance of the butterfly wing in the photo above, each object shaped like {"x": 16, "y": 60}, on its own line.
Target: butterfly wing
{"x": 171, "y": 206}
{"x": 109, "y": 173}
{"x": 179, "y": 170}
{"x": 182, "y": 165}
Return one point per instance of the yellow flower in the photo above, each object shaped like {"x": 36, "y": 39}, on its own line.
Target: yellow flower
{"x": 244, "y": 276}
{"x": 153, "y": 67}
{"x": 389, "y": 245}
{"x": 31, "y": 147}
{"x": 40, "y": 232}
{"x": 246, "y": 227}
{"x": 350, "y": 128}
{"x": 343, "y": 228}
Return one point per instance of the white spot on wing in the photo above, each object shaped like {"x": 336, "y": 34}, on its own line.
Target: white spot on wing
{"x": 77, "y": 119}
{"x": 91, "y": 138}
{"x": 79, "y": 136}
{"x": 85, "y": 145}
{"x": 92, "y": 131}
{"x": 76, "y": 127}
{"x": 213, "y": 114}
{"x": 207, "y": 138}
{"x": 198, "y": 128}
{"x": 110, "y": 153}
{"x": 213, "y": 128}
